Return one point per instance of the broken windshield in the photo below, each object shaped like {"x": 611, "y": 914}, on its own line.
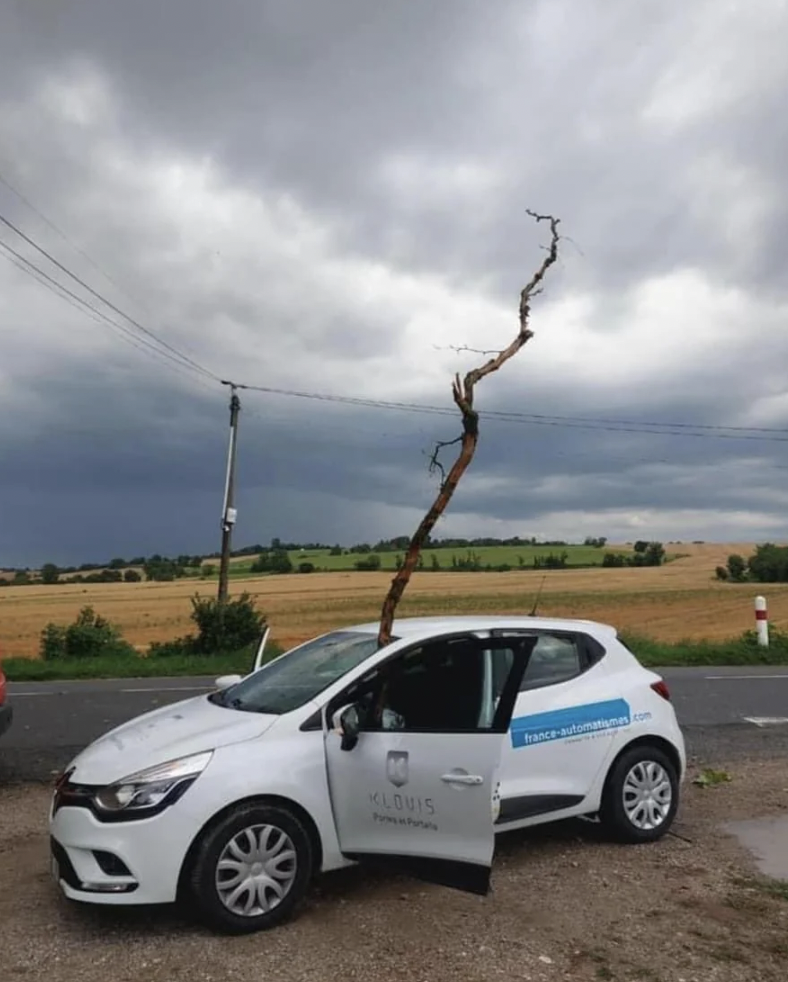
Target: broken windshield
{"x": 299, "y": 675}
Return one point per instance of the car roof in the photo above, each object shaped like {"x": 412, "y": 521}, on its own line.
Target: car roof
{"x": 426, "y": 627}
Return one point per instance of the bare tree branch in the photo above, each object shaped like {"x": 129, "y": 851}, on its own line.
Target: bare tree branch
{"x": 463, "y": 392}
{"x": 435, "y": 464}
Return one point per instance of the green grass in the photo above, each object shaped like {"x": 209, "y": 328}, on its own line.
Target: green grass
{"x": 737, "y": 651}
{"x": 109, "y": 667}
{"x": 651, "y": 653}
{"x": 578, "y": 556}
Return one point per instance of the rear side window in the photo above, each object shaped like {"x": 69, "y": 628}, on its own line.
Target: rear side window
{"x": 553, "y": 660}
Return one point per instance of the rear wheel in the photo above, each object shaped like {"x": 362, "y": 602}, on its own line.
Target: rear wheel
{"x": 641, "y": 795}
{"x": 251, "y": 869}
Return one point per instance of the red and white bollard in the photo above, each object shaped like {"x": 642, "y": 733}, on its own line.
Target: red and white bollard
{"x": 761, "y": 621}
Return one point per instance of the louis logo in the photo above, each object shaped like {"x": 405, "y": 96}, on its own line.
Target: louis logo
{"x": 397, "y": 767}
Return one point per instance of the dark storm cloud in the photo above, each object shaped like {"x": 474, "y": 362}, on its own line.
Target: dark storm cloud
{"x": 416, "y": 135}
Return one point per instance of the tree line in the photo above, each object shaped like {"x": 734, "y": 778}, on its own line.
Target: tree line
{"x": 768, "y": 564}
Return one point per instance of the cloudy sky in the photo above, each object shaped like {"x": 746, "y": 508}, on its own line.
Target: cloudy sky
{"x": 324, "y": 197}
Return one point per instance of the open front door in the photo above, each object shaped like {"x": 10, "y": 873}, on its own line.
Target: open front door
{"x": 258, "y": 658}
{"x": 420, "y": 797}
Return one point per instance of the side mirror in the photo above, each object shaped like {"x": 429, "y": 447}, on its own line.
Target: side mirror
{"x": 225, "y": 681}
{"x": 347, "y": 723}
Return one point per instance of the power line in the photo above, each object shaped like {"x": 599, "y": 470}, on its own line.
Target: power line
{"x": 47, "y": 281}
{"x": 182, "y": 357}
{"x": 577, "y": 422}
{"x": 48, "y": 221}
{"x": 66, "y": 238}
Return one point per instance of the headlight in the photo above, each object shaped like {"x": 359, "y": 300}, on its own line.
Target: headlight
{"x": 153, "y": 788}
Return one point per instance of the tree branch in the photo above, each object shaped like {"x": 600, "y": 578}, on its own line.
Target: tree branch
{"x": 463, "y": 391}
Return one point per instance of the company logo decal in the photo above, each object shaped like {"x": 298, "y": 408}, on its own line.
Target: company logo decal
{"x": 397, "y": 768}
{"x": 574, "y": 722}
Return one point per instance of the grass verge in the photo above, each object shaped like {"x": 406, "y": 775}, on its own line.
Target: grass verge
{"x": 109, "y": 667}
{"x": 743, "y": 650}
{"x": 653, "y": 654}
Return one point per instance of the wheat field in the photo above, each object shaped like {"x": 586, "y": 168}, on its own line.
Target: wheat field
{"x": 679, "y": 600}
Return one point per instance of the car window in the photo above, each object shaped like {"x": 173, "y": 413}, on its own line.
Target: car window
{"x": 442, "y": 686}
{"x": 553, "y": 660}
{"x": 300, "y": 674}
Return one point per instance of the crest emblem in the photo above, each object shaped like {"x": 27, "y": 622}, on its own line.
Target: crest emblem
{"x": 397, "y": 767}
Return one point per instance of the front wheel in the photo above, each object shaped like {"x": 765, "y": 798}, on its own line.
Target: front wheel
{"x": 641, "y": 795}
{"x": 251, "y": 869}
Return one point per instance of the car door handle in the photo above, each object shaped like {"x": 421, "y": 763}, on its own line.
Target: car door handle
{"x": 462, "y": 778}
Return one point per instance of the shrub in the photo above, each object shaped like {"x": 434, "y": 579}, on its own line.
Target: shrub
{"x": 132, "y": 576}
{"x": 769, "y": 564}
{"x": 370, "y": 562}
{"x": 221, "y": 627}
{"x": 737, "y": 568}
{"x": 721, "y": 573}
{"x": 89, "y": 636}
{"x": 306, "y": 567}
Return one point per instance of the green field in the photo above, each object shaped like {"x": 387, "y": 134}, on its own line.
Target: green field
{"x": 515, "y": 557}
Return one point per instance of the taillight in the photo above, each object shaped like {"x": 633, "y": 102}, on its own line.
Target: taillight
{"x": 661, "y": 689}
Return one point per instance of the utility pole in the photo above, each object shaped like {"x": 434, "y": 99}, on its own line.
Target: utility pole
{"x": 228, "y": 509}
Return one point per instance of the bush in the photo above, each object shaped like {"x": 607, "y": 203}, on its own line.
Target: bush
{"x": 370, "y": 562}
{"x": 275, "y": 561}
{"x": 221, "y": 628}
{"x": 132, "y": 576}
{"x": 89, "y": 636}
{"x": 737, "y": 568}
{"x": 769, "y": 564}
{"x": 306, "y": 567}
{"x": 721, "y": 573}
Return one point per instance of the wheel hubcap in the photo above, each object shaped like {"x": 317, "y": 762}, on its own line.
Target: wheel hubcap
{"x": 256, "y": 870}
{"x": 648, "y": 795}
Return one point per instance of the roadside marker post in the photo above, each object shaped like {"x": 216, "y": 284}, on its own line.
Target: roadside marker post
{"x": 762, "y": 622}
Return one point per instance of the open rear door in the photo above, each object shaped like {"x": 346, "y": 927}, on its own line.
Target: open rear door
{"x": 423, "y": 801}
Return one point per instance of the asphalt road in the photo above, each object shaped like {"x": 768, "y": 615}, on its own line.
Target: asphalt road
{"x": 724, "y": 712}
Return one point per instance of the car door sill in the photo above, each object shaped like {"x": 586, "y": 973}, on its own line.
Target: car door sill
{"x": 530, "y": 805}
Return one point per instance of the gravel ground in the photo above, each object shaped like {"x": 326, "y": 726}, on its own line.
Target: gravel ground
{"x": 565, "y": 905}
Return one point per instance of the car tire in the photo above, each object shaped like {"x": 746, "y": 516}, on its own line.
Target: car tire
{"x": 641, "y": 795}
{"x": 250, "y": 869}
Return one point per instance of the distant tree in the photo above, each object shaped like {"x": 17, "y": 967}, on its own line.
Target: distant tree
{"x": 614, "y": 559}
{"x": 336, "y": 551}
{"x": 596, "y": 543}
{"x": 769, "y": 564}
{"x": 132, "y": 576}
{"x": 117, "y": 563}
{"x": 163, "y": 570}
{"x": 434, "y": 562}
{"x": 721, "y": 573}
{"x": 208, "y": 570}
{"x": 370, "y": 562}
{"x": 737, "y": 568}
{"x": 21, "y": 577}
{"x": 49, "y": 573}
{"x": 647, "y": 554}
{"x": 273, "y": 561}
{"x": 306, "y": 567}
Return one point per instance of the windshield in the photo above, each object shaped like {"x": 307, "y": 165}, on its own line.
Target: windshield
{"x": 300, "y": 674}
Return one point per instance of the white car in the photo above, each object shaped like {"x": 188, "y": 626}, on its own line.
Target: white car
{"x": 339, "y": 752}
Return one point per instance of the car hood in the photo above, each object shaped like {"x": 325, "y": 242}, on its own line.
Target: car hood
{"x": 173, "y": 731}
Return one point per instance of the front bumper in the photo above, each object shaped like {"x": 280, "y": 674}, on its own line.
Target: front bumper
{"x": 120, "y": 863}
{"x": 6, "y": 717}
